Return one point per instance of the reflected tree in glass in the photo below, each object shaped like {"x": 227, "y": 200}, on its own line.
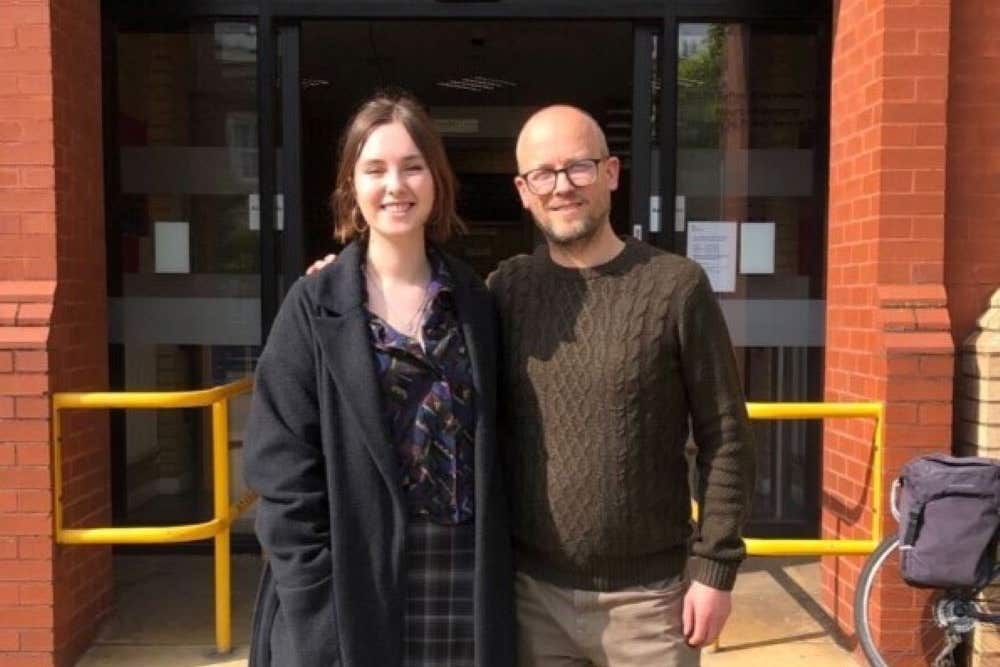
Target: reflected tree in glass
{"x": 699, "y": 87}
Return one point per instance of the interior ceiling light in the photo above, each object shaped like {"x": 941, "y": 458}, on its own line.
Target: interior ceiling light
{"x": 476, "y": 84}
{"x": 308, "y": 83}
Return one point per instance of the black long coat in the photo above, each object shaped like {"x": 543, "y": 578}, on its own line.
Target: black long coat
{"x": 331, "y": 517}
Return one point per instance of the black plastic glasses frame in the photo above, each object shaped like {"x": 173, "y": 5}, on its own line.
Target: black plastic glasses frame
{"x": 595, "y": 161}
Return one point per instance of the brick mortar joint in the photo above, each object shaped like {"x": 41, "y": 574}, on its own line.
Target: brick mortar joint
{"x": 921, "y": 296}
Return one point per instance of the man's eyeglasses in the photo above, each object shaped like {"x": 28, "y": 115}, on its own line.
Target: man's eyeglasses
{"x": 580, "y": 173}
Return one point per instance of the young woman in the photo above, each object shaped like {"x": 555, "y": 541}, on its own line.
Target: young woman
{"x": 371, "y": 439}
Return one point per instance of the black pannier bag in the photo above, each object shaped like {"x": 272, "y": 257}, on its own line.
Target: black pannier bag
{"x": 949, "y": 512}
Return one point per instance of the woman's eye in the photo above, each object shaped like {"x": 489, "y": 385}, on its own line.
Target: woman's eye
{"x": 415, "y": 168}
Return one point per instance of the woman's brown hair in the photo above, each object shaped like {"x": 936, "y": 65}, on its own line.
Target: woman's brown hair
{"x": 383, "y": 109}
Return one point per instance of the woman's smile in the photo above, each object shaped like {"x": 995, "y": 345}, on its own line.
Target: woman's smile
{"x": 393, "y": 185}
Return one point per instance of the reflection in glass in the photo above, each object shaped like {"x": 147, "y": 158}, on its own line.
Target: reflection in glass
{"x": 749, "y": 133}
{"x": 184, "y": 251}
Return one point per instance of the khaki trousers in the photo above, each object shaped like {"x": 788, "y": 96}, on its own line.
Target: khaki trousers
{"x": 634, "y": 627}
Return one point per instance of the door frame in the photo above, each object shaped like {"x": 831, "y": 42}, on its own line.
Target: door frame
{"x": 278, "y": 31}
{"x": 278, "y": 41}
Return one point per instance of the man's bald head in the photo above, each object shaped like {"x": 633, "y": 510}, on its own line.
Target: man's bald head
{"x": 559, "y": 141}
{"x": 558, "y": 120}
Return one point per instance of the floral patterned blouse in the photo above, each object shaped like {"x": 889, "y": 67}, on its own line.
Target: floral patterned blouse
{"x": 428, "y": 403}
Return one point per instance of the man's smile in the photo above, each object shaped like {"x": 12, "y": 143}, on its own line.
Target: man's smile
{"x": 568, "y": 206}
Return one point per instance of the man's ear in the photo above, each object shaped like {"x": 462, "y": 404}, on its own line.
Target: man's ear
{"x": 612, "y": 168}
{"x": 523, "y": 192}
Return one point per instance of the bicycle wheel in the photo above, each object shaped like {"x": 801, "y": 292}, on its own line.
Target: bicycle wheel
{"x": 895, "y": 623}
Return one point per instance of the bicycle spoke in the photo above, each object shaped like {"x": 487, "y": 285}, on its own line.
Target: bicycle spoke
{"x": 912, "y": 637}
{"x": 946, "y": 658}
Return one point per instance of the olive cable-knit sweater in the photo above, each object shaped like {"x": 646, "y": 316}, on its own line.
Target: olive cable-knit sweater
{"x": 602, "y": 368}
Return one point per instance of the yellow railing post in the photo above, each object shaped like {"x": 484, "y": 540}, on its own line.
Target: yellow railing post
{"x": 878, "y": 470}
{"x": 220, "y": 463}
{"x": 218, "y": 528}
{"x": 57, "y": 506}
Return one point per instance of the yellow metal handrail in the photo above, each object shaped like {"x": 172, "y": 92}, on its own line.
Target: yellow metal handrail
{"x": 224, "y": 514}
{"x": 823, "y": 547}
{"x": 827, "y": 547}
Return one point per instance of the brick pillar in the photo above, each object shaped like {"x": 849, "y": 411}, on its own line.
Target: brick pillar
{"x": 52, "y": 326}
{"x": 887, "y": 324}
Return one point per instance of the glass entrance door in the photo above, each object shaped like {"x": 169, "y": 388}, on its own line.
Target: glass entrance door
{"x": 218, "y": 194}
{"x": 207, "y": 228}
{"x": 183, "y": 251}
{"x": 750, "y": 206}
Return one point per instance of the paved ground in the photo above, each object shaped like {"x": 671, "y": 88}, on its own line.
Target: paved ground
{"x": 163, "y": 616}
{"x": 777, "y": 621}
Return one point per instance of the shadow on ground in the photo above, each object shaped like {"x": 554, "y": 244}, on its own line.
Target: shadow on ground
{"x": 164, "y": 609}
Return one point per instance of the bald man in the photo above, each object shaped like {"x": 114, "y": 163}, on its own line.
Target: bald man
{"x": 614, "y": 352}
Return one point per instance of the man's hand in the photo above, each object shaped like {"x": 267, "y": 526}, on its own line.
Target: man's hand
{"x": 319, "y": 264}
{"x": 705, "y": 612}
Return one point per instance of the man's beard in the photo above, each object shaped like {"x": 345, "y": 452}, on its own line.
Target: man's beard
{"x": 579, "y": 236}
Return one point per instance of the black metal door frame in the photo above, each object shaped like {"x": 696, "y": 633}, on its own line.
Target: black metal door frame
{"x": 278, "y": 28}
{"x": 278, "y": 32}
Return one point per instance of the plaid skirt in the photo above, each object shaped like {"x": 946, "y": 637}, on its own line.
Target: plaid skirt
{"x": 439, "y": 584}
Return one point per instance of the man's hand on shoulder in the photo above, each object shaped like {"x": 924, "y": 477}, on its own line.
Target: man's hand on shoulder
{"x": 319, "y": 264}
{"x": 705, "y": 612}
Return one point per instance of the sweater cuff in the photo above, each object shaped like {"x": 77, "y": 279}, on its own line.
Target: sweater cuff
{"x": 717, "y": 574}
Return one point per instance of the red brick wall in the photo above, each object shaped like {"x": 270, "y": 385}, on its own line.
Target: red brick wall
{"x": 972, "y": 247}
{"x": 887, "y": 326}
{"x": 26, "y": 594}
{"x": 52, "y": 326}
{"x": 78, "y": 339}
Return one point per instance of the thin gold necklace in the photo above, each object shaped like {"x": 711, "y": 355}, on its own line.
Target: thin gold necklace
{"x": 413, "y": 326}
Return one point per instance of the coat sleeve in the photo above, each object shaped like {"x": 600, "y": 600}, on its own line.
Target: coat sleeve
{"x": 283, "y": 461}
{"x": 721, "y": 429}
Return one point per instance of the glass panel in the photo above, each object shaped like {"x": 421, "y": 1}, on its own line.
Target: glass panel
{"x": 183, "y": 250}
{"x": 648, "y": 224}
{"x": 480, "y": 83}
{"x": 659, "y": 214}
{"x": 750, "y": 209}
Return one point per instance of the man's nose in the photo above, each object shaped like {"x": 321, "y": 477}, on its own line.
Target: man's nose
{"x": 563, "y": 184}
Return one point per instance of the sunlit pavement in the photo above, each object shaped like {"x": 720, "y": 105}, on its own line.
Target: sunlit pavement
{"x": 777, "y": 619}
{"x": 164, "y": 616}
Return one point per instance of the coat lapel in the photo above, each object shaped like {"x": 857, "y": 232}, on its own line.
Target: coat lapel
{"x": 472, "y": 303}
{"x": 342, "y": 332}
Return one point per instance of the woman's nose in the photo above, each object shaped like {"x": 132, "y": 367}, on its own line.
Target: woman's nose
{"x": 393, "y": 180}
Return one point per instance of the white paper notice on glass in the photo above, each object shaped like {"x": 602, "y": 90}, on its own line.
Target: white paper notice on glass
{"x": 173, "y": 248}
{"x": 713, "y": 245}
{"x": 757, "y": 248}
